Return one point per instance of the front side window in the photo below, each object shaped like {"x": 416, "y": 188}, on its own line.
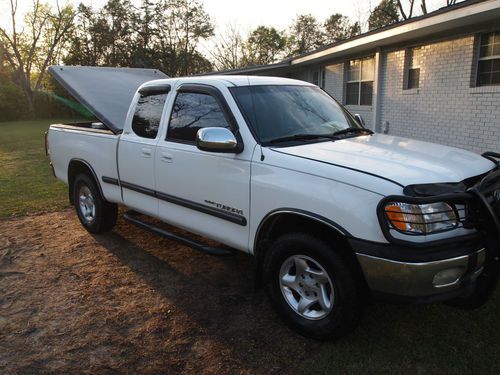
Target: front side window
{"x": 359, "y": 87}
{"x": 147, "y": 115}
{"x": 415, "y": 55}
{"x": 489, "y": 59}
{"x": 277, "y": 111}
{"x": 191, "y": 112}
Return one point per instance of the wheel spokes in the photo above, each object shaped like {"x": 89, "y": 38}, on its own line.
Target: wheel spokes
{"x": 305, "y": 304}
{"x": 306, "y": 286}
{"x": 324, "y": 298}
{"x": 289, "y": 281}
{"x": 300, "y": 265}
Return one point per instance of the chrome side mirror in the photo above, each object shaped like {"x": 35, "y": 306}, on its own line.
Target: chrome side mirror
{"x": 359, "y": 120}
{"x": 216, "y": 140}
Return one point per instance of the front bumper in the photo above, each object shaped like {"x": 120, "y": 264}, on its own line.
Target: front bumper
{"x": 439, "y": 270}
{"x": 421, "y": 279}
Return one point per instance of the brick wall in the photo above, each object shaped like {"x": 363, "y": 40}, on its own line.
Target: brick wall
{"x": 445, "y": 109}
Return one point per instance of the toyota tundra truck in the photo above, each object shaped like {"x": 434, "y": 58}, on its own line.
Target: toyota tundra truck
{"x": 334, "y": 214}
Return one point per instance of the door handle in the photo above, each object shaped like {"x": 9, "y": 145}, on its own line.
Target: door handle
{"x": 167, "y": 158}
{"x": 146, "y": 152}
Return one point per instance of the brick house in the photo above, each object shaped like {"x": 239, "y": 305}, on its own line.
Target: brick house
{"x": 434, "y": 77}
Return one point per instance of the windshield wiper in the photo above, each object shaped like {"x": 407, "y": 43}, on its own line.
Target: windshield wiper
{"x": 301, "y": 137}
{"x": 352, "y": 130}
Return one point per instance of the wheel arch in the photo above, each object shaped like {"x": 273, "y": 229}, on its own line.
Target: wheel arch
{"x": 75, "y": 167}
{"x": 286, "y": 220}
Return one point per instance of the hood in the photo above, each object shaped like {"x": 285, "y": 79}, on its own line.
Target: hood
{"x": 106, "y": 92}
{"x": 402, "y": 160}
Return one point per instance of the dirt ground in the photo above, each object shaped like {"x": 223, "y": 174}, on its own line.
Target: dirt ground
{"x": 129, "y": 301}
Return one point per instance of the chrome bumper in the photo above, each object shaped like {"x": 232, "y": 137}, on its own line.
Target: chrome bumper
{"x": 420, "y": 279}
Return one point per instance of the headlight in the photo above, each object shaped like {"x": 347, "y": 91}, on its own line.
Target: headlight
{"x": 421, "y": 218}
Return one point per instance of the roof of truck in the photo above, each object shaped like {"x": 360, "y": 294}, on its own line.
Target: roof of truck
{"x": 232, "y": 80}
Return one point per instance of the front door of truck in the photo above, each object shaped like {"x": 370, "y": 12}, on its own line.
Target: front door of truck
{"x": 136, "y": 151}
{"x": 204, "y": 192}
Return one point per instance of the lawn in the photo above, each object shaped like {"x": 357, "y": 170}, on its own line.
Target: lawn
{"x": 26, "y": 181}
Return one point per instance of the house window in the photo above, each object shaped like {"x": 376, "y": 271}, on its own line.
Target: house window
{"x": 318, "y": 78}
{"x": 359, "y": 87}
{"x": 489, "y": 59}
{"x": 415, "y": 55}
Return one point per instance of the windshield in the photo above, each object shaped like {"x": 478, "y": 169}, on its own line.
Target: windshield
{"x": 280, "y": 111}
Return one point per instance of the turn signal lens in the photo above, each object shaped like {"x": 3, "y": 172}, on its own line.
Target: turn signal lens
{"x": 395, "y": 216}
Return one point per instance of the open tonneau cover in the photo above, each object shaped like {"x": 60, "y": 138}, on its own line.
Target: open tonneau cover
{"x": 106, "y": 92}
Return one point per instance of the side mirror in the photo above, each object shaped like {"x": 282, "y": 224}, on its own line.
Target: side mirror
{"x": 359, "y": 120}
{"x": 216, "y": 140}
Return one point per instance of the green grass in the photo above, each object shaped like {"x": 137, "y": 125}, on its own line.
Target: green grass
{"x": 422, "y": 339}
{"x": 26, "y": 181}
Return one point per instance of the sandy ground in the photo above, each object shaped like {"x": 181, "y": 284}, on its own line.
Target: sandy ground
{"x": 129, "y": 301}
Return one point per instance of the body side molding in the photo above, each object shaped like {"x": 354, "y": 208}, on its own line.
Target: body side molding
{"x": 231, "y": 217}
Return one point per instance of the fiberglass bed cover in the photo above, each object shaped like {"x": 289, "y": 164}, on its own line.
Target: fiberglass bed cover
{"x": 106, "y": 92}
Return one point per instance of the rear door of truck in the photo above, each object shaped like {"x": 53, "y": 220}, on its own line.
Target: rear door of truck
{"x": 136, "y": 151}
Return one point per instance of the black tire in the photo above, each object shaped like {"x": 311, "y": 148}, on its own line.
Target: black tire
{"x": 348, "y": 297}
{"x": 105, "y": 213}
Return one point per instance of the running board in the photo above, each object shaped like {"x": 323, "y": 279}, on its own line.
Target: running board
{"x": 132, "y": 217}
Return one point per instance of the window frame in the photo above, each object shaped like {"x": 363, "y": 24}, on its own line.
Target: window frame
{"x": 204, "y": 89}
{"x": 359, "y": 81}
{"x": 409, "y": 54}
{"x": 496, "y": 34}
{"x": 321, "y": 77}
{"x": 144, "y": 92}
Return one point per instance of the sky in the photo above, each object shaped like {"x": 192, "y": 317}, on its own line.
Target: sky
{"x": 249, "y": 14}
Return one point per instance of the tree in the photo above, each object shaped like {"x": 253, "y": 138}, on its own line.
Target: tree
{"x": 228, "y": 49}
{"x": 30, "y": 50}
{"x": 338, "y": 27}
{"x": 181, "y": 25}
{"x": 305, "y": 35}
{"x": 385, "y": 13}
{"x": 263, "y": 46}
{"x": 104, "y": 37}
{"x": 410, "y": 7}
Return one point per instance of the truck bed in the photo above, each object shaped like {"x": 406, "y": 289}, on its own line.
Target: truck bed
{"x": 93, "y": 147}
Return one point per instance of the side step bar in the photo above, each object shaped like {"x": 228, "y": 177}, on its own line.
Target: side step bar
{"x": 132, "y": 217}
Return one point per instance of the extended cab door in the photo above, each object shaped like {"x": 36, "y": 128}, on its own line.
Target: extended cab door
{"x": 204, "y": 192}
{"x": 136, "y": 150}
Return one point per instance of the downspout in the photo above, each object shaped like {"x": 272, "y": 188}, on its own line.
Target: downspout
{"x": 376, "y": 92}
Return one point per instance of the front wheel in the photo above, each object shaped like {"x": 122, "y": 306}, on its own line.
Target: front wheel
{"x": 95, "y": 214}
{"x": 311, "y": 286}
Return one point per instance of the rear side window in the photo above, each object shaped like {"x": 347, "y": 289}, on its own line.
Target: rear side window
{"x": 191, "y": 112}
{"x": 147, "y": 114}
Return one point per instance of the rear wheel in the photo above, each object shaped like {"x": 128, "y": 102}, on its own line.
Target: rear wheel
{"x": 313, "y": 289}
{"x": 95, "y": 214}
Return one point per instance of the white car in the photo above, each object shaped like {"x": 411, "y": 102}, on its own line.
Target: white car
{"x": 275, "y": 167}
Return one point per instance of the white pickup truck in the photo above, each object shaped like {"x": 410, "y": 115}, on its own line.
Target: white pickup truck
{"x": 275, "y": 167}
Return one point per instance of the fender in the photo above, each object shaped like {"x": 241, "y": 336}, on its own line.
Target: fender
{"x": 94, "y": 175}
{"x": 294, "y": 211}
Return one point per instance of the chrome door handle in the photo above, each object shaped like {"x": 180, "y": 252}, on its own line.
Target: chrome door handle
{"x": 146, "y": 152}
{"x": 167, "y": 158}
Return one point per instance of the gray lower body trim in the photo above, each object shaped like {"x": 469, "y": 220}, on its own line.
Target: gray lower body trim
{"x": 418, "y": 279}
{"x": 228, "y": 216}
